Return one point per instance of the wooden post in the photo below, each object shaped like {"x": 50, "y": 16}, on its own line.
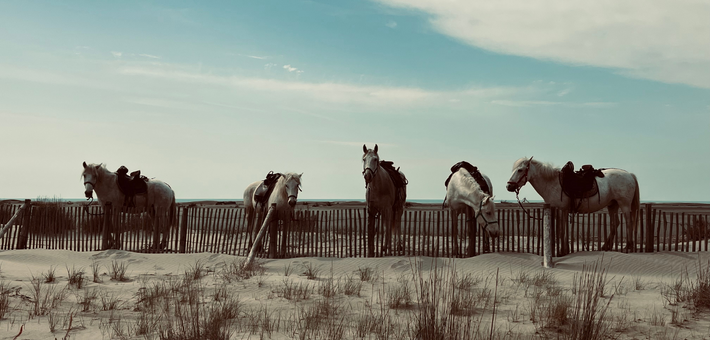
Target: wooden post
{"x": 24, "y": 231}
{"x": 105, "y": 244}
{"x": 649, "y": 228}
{"x": 547, "y": 259}
{"x": 183, "y": 231}
{"x": 262, "y": 231}
{"x": 11, "y": 222}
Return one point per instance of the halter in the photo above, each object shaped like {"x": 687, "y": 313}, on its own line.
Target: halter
{"x": 372, "y": 171}
{"x": 480, "y": 213}
{"x": 517, "y": 191}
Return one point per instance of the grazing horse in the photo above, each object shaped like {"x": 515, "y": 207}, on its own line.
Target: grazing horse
{"x": 618, "y": 189}
{"x": 465, "y": 195}
{"x": 383, "y": 198}
{"x": 158, "y": 201}
{"x": 285, "y": 196}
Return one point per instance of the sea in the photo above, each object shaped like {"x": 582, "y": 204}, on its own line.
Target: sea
{"x": 414, "y": 200}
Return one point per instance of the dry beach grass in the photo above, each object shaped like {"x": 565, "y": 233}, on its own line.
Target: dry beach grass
{"x": 590, "y": 295}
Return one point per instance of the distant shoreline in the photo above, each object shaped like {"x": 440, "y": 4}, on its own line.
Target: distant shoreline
{"x": 354, "y": 200}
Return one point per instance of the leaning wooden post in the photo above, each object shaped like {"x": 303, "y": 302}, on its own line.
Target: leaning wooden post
{"x": 11, "y": 222}
{"x": 262, "y": 231}
{"x": 183, "y": 230}
{"x": 547, "y": 247}
{"x": 649, "y": 228}
{"x": 105, "y": 244}
{"x": 25, "y": 230}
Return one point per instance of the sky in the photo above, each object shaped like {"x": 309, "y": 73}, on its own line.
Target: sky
{"x": 211, "y": 96}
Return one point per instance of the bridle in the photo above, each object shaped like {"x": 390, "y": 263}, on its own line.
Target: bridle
{"x": 90, "y": 199}
{"x": 373, "y": 172}
{"x": 517, "y": 190}
{"x": 480, "y": 213}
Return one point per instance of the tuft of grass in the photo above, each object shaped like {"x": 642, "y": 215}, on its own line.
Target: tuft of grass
{"x": 351, "y": 286}
{"x": 118, "y": 271}
{"x": 4, "y": 299}
{"x": 76, "y": 277}
{"x": 311, "y": 271}
{"x": 96, "y": 272}
{"x": 293, "y": 291}
{"x": 366, "y": 274}
{"x": 49, "y": 276}
{"x": 196, "y": 271}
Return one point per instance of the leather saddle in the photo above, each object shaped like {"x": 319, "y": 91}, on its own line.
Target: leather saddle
{"x": 131, "y": 185}
{"x": 397, "y": 177}
{"x": 263, "y": 191}
{"x": 473, "y": 170}
{"x": 581, "y": 183}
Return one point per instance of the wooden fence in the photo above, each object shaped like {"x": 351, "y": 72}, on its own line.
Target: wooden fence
{"x": 339, "y": 233}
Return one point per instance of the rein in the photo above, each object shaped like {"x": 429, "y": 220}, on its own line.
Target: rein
{"x": 521, "y": 205}
{"x": 480, "y": 213}
{"x": 86, "y": 207}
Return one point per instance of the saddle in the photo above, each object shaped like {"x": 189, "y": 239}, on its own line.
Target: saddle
{"x": 131, "y": 185}
{"x": 263, "y": 191}
{"x": 398, "y": 179}
{"x": 579, "y": 184}
{"x": 474, "y": 173}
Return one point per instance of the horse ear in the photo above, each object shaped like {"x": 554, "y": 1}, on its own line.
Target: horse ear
{"x": 364, "y": 148}
{"x": 98, "y": 166}
{"x": 375, "y": 148}
{"x": 301, "y": 175}
{"x": 84, "y": 165}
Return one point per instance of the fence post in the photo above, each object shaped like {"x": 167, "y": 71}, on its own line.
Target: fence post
{"x": 183, "y": 230}
{"x": 649, "y": 229}
{"x": 26, "y": 218}
{"x": 105, "y": 244}
{"x": 547, "y": 247}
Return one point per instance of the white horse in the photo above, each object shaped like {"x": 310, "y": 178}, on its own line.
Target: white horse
{"x": 383, "y": 198}
{"x": 465, "y": 195}
{"x": 618, "y": 189}
{"x": 158, "y": 201}
{"x": 285, "y": 196}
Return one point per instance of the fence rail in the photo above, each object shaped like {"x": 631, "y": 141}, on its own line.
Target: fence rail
{"x": 338, "y": 233}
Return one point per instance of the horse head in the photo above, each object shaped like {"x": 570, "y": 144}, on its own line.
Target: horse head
{"x": 519, "y": 177}
{"x": 91, "y": 177}
{"x": 487, "y": 212}
{"x": 293, "y": 186}
{"x": 370, "y": 163}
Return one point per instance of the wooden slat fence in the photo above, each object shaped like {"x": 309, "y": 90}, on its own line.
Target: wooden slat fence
{"x": 339, "y": 233}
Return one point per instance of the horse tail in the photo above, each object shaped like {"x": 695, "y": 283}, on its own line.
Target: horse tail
{"x": 173, "y": 212}
{"x": 636, "y": 204}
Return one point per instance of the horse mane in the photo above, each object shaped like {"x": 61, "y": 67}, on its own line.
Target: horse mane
{"x": 472, "y": 181}
{"x": 92, "y": 168}
{"x": 546, "y": 170}
{"x": 289, "y": 175}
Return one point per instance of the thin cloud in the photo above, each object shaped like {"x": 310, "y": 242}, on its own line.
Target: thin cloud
{"x": 652, "y": 39}
{"x": 391, "y": 24}
{"x": 292, "y": 69}
{"x": 149, "y": 56}
{"x": 531, "y": 103}
{"x": 116, "y": 54}
{"x": 342, "y": 93}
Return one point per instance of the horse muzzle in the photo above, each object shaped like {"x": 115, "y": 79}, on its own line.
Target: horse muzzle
{"x": 292, "y": 201}
{"x": 89, "y": 194}
{"x": 511, "y": 186}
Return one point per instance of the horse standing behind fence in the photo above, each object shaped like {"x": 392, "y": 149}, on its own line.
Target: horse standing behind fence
{"x": 158, "y": 201}
{"x": 618, "y": 189}
{"x": 465, "y": 195}
{"x": 285, "y": 196}
{"x": 383, "y": 197}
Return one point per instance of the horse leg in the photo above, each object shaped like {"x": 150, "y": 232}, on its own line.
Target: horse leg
{"x": 630, "y": 229}
{"x": 387, "y": 224}
{"x": 273, "y": 238}
{"x": 370, "y": 233}
{"x": 562, "y": 234}
{"x": 613, "y": 210}
{"x": 284, "y": 235}
{"x": 397, "y": 230}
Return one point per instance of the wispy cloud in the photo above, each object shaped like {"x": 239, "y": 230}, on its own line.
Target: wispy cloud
{"x": 530, "y": 103}
{"x": 149, "y": 56}
{"x": 116, "y": 54}
{"x": 292, "y": 69}
{"x": 329, "y": 91}
{"x": 653, "y": 39}
{"x": 391, "y": 24}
